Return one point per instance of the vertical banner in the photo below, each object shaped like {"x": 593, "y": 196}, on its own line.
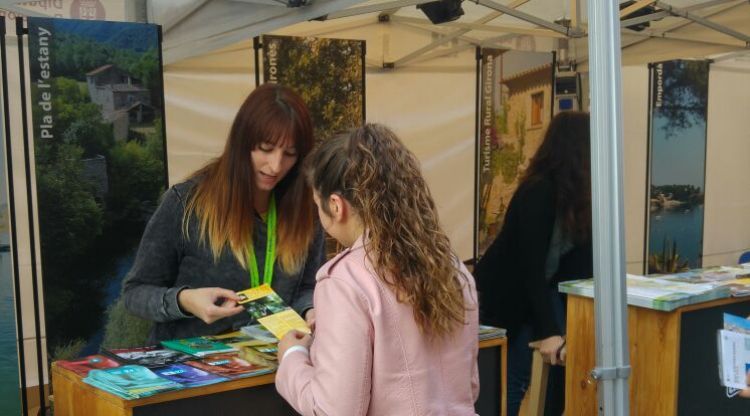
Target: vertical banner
{"x": 10, "y": 399}
{"x": 677, "y": 165}
{"x": 100, "y": 155}
{"x": 515, "y": 110}
{"x": 327, "y": 73}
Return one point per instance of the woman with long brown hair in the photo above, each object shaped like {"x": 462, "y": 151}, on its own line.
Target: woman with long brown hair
{"x": 244, "y": 219}
{"x": 546, "y": 239}
{"x": 396, "y": 330}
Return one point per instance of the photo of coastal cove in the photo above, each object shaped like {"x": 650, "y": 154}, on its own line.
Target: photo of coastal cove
{"x": 677, "y": 166}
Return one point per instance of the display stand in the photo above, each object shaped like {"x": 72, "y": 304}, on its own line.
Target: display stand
{"x": 256, "y": 394}
{"x": 673, "y": 356}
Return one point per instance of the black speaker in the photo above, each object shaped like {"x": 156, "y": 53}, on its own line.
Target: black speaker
{"x": 442, "y": 11}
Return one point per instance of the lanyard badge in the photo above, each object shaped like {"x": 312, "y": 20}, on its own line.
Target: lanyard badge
{"x": 270, "y": 250}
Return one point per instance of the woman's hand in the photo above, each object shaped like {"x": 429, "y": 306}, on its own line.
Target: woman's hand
{"x": 310, "y": 319}
{"x": 209, "y": 304}
{"x": 746, "y": 392}
{"x": 291, "y": 339}
{"x": 551, "y": 349}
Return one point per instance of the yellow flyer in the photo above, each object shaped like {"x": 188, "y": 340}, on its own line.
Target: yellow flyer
{"x": 265, "y": 306}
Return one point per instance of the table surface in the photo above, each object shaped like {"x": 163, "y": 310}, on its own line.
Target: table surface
{"x": 654, "y": 346}
{"x": 236, "y": 384}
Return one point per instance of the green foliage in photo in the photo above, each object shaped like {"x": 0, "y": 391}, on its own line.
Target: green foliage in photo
{"x": 327, "y": 73}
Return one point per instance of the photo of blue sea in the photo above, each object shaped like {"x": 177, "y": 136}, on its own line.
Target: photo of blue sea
{"x": 677, "y": 186}
{"x": 10, "y": 401}
{"x": 683, "y": 227}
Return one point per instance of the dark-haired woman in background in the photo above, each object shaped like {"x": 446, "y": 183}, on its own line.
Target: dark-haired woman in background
{"x": 545, "y": 239}
{"x": 245, "y": 219}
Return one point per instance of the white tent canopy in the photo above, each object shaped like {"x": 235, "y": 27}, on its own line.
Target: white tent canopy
{"x": 685, "y": 28}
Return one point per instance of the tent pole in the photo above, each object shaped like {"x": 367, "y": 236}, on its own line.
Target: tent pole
{"x": 612, "y": 366}
{"x": 575, "y": 14}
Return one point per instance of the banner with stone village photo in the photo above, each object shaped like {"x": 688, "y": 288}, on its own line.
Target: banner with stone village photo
{"x": 100, "y": 162}
{"x": 677, "y": 165}
{"x": 514, "y": 112}
{"x": 329, "y": 76}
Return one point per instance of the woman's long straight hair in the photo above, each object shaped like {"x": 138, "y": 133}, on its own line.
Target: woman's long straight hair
{"x": 381, "y": 179}
{"x": 222, "y": 199}
{"x": 565, "y": 157}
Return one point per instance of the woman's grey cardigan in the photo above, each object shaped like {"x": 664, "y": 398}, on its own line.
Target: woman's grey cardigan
{"x": 168, "y": 262}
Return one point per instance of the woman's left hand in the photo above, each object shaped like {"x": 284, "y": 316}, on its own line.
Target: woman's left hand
{"x": 550, "y": 348}
{"x": 291, "y": 339}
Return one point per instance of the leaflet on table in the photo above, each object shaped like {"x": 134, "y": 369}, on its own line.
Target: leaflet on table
{"x": 130, "y": 381}
{"x": 83, "y": 365}
{"x": 237, "y": 339}
{"x": 736, "y": 279}
{"x": 264, "y": 305}
{"x": 734, "y": 351}
{"x": 188, "y": 375}
{"x": 655, "y": 292}
{"x": 706, "y": 274}
{"x": 231, "y": 366}
{"x": 198, "y": 346}
{"x": 259, "y": 333}
{"x": 490, "y": 332}
{"x": 152, "y": 356}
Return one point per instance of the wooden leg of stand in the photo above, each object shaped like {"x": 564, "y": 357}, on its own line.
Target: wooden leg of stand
{"x": 538, "y": 386}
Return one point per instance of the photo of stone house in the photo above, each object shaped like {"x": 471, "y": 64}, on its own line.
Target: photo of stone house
{"x": 122, "y": 99}
{"x": 522, "y": 104}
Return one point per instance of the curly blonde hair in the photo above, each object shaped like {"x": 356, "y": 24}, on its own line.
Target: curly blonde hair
{"x": 381, "y": 179}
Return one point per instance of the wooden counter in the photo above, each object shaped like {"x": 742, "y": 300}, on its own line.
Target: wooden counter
{"x": 673, "y": 356}
{"x": 73, "y": 397}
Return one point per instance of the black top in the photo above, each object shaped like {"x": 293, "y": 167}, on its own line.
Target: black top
{"x": 167, "y": 261}
{"x": 511, "y": 274}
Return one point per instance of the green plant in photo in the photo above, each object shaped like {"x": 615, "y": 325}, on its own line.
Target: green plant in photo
{"x": 123, "y": 329}
{"x": 68, "y": 351}
{"x": 506, "y": 160}
{"x": 668, "y": 261}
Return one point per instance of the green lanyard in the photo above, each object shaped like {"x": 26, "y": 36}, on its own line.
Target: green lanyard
{"x": 270, "y": 250}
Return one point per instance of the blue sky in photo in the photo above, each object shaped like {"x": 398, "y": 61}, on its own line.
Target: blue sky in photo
{"x": 679, "y": 159}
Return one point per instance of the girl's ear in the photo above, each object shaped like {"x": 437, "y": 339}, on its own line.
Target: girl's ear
{"x": 337, "y": 205}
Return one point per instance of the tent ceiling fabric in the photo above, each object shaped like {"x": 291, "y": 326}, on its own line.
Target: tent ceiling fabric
{"x": 195, "y": 27}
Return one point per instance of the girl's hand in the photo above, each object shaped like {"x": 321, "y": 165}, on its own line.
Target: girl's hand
{"x": 209, "y": 304}
{"x": 291, "y": 339}
{"x": 310, "y": 319}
